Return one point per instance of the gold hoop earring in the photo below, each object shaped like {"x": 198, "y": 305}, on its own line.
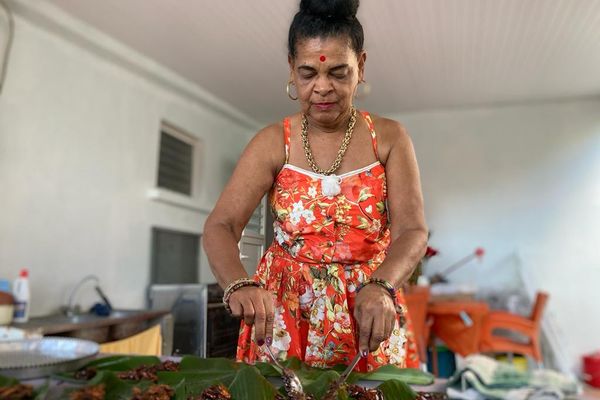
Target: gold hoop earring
{"x": 287, "y": 90}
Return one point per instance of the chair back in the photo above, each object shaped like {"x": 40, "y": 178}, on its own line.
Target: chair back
{"x": 541, "y": 298}
{"x": 416, "y": 298}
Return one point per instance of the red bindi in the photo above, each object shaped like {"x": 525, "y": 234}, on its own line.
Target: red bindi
{"x": 322, "y": 58}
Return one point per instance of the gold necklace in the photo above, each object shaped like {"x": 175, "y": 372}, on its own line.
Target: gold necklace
{"x": 338, "y": 159}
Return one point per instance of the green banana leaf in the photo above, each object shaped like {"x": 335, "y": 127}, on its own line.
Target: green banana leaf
{"x": 110, "y": 363}
{"x": 116, "y": 389}
{"x": 39, "y": 393}
{"x": 317, "y": 384}
{"x": 198, "y": 363}
{"x": 397, "y": 390}
{"x": 6, "y": 381}
{"x": 122, "y": 363}
{"x": 245, "y": 381}
{"x": 267, "y": 370}
{"x": 411, "y": 376}
{"x": 250, "y": 384}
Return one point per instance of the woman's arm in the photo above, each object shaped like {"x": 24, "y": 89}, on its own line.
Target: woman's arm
{"x": 251, "y": 179}
{"x": 405, "y": 206}
{"x": 375, "y": 309}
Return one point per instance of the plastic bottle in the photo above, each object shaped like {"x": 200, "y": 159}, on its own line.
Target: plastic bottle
{"x": 21, "y": 295}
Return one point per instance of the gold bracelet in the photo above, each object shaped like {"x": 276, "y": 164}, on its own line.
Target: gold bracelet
{"x": 235, "y": 285}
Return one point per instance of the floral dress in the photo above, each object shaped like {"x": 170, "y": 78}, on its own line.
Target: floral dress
{"x": 331, "y": 233}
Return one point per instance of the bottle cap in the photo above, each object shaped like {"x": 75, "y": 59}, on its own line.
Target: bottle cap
{"x": 24, "y": 273}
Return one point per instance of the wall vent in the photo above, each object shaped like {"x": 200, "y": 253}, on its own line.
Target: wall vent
{"x": 176, "y": 162}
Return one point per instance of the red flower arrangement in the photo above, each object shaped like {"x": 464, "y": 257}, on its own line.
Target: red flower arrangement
{"x": 430, "y": 252}
{"x": 479, "y": 252}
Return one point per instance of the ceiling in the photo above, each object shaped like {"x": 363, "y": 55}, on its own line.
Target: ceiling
{"x": 425, "y": 54}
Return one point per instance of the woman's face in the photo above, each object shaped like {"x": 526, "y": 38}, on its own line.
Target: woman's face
{"x": 326, "y": 72}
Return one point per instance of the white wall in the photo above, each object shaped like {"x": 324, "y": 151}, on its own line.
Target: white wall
{"x": 522, "y": 181}
{"x": 79, "y": 136}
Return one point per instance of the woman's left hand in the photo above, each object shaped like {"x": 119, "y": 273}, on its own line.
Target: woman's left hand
{"x": 375, "y": 313}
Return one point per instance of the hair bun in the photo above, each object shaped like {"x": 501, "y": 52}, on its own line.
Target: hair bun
{"x": 338, "y": 9}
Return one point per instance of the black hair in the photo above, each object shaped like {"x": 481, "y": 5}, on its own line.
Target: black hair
{"x": 326, "y": 18}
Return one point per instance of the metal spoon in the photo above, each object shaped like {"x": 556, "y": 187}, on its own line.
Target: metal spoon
{"x": 349, "y": 369}
{"x": 292, "y": 383}
{"x": 335, "y": 385}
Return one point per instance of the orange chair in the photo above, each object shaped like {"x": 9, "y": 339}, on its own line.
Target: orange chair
{"x": 417, "y": 298}
{"x": 528, "y": 327}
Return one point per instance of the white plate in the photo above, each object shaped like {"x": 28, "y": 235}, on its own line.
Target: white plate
{"x": 25, "y": 359}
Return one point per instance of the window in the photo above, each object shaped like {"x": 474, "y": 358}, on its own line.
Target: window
{"x": 175, "y": 257}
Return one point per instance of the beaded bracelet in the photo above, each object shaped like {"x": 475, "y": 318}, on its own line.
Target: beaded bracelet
{"x": 235, "y": 285}
{"x": 381, "y": 282}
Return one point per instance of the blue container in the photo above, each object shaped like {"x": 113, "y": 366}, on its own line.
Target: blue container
{"x": 446, "y": 362}
{"x": 5, "y": 286}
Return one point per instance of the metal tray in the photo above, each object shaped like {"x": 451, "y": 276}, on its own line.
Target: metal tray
{"x": 36, "y": 358}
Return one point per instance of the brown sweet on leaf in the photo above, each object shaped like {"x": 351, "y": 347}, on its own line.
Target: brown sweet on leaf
{"x": 154, "y": 392}
{"x": 148, "y": 372}
{"x": 169, "y": 366}
{"x": 214, "y": 392}
{"x": 86, "y": 373}
{"x": 96, "y": 392}
{"x": 307, "y": 396}
{"x": 332, "y": 390}
{"x": 16, "y": 392}
{"x": 357, "y": 392}
{"x": 138, "y": 374}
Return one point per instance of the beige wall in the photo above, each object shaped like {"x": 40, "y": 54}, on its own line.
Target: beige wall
{"x": 79, "y": 136}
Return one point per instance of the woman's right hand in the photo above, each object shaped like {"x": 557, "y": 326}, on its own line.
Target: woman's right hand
{"x": 255, "y": 306}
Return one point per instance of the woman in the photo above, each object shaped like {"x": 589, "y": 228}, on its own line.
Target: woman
{"x": 346, "y": 236}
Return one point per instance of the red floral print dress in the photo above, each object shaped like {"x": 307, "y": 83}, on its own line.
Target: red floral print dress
{"x": 331, "y": 233}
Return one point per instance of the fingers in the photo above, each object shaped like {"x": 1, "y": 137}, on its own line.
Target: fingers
{"x": 247, "y": 311}
{"x": 236, "y": 308}
{"x": 375, "y": 315}
{"x": 270, "y": 318}
{"x": 377, "y": 332}
{"x": 260, "y": 318}
{"x": 263, "y": 317}
{"x": 255, "y": 306}
{"x": 389, "y": 327}
{"x": 364, "y": 325}
{"x": 242, "y": 303}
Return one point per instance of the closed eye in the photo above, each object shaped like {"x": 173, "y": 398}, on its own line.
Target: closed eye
{"x": 307, "y": 75}
{"x": 340, "y": 71}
